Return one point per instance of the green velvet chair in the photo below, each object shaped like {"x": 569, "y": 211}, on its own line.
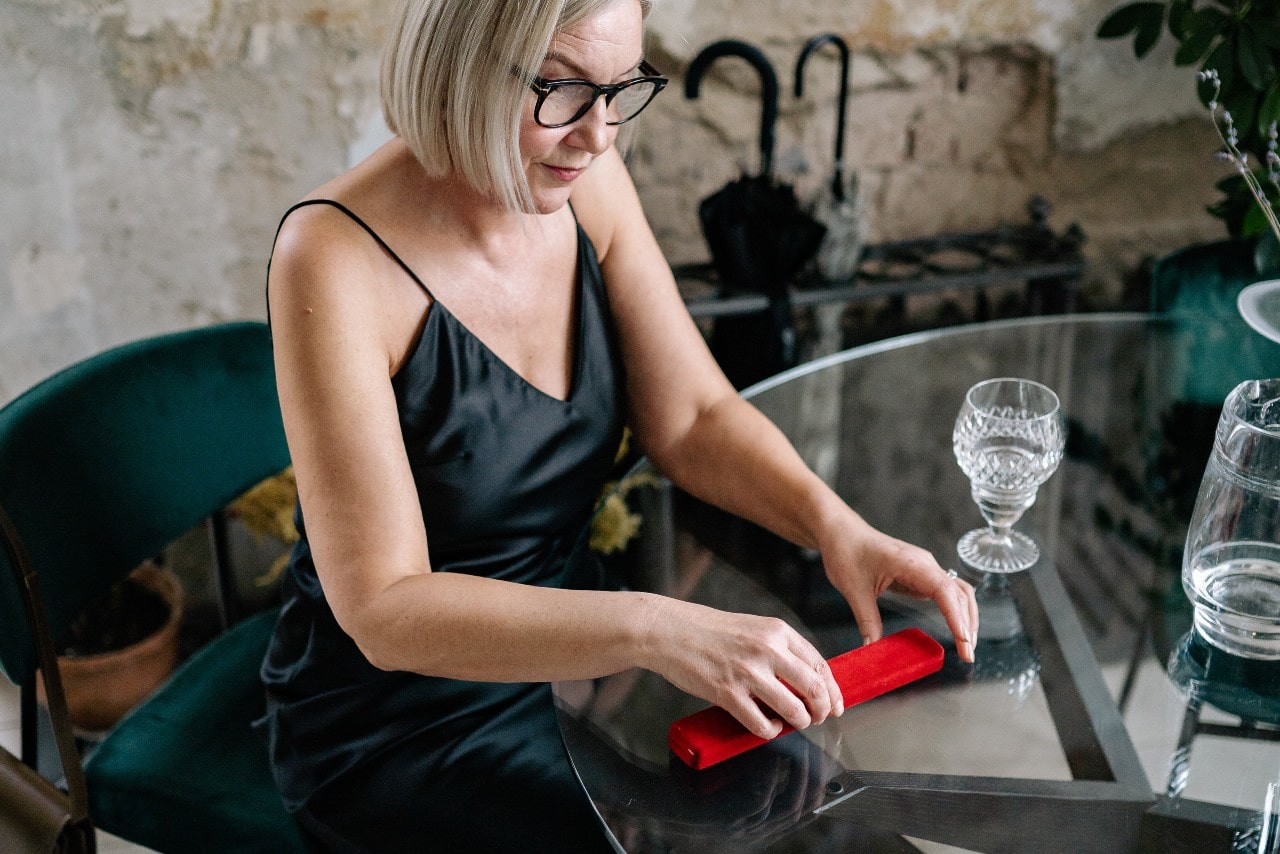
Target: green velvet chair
{"x": 101, "y": 466}
{"x": 1203, "y": 281}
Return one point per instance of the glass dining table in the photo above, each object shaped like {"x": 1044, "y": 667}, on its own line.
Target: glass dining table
{"x": 1093, "y": 719}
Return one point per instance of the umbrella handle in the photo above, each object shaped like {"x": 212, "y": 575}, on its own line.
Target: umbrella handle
{"x": 810, "y": 46}
{"x": 768, "y": 87}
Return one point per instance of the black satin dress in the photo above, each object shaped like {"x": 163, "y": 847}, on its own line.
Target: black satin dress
{"x": 507, "y": 477}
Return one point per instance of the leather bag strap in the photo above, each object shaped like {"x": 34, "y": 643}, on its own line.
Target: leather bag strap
{"x": 35, "y": 816}
{"x": 25, "y": 575}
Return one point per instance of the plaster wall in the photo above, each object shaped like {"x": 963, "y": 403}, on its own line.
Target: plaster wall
{"x": 148, "y": 147}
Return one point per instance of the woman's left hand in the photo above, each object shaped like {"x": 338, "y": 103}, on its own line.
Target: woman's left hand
{"x": 862, "y": 563}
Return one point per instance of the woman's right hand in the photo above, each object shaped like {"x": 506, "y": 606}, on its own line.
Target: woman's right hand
{"x": 734, "y": 660}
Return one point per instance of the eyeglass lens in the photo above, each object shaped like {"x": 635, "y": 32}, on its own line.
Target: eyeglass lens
{"x": 566, "y": 102}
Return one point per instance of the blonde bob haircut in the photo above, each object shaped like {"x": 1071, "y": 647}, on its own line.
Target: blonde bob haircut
{"x": 453, "y": 83}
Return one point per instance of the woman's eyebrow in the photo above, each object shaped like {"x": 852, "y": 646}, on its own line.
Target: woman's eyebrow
{"x": 576, "y": 69}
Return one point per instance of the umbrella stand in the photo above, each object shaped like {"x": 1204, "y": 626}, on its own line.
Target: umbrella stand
{"x": 841, "y": 211}
{"x": 758, "y": 235}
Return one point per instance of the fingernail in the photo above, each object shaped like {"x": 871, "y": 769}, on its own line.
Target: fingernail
{"x": 866, "y": 640}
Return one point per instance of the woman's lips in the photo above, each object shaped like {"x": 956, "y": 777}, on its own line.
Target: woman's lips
{"x": 564, "y": 173}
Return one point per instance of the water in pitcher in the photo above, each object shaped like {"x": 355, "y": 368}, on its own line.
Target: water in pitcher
{"x": 1235, "y": 587}
{"x": 1231, "y": 563}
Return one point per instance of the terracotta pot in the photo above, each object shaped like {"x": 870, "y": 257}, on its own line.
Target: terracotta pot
{"x": 100, "y": 688}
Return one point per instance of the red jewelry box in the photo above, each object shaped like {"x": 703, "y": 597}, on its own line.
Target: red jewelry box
{"x": 713, "y": 735}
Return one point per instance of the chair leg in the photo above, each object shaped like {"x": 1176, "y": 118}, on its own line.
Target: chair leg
{"x": 1180, "y": 763}
{"x": 1135, "y": 658}
{"x": 27, "y": 724}
{"x": 228, "y": 601}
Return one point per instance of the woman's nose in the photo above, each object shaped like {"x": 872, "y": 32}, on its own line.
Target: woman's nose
{"x": 591, "y": 132}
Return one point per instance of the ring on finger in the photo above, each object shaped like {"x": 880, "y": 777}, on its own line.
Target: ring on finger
{"x": 952, "y": 575}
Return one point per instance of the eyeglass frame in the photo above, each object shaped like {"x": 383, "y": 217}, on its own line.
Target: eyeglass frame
{"x": 543, "y": 87}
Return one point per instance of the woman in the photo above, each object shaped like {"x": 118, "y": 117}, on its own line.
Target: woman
{"x": 462, "y": 324}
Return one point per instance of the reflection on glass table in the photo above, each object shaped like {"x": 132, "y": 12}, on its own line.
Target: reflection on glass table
{"x": 1026, "y": 750}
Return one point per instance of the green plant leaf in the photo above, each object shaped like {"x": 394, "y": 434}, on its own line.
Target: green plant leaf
{"x": 1255, "y": 221}
{"x": 1269, "y": 112}
{"x": 1225, "y": 57}
{"x": 1255, "y": 59}
{"x": 1266, "y": 255}
{"x": 1194, "y": 46}
{"x": 1242, "y": 103}
{"x": 1234, "y": 188}
{"x": 1179, "y": 14}
{"x": 1147, "y": 36}
{"x": 1200, "y": 27}
{"x": 1267, "y": 27}
{"x": 1129, "y": 19}
{"x": 1222, "y": 60}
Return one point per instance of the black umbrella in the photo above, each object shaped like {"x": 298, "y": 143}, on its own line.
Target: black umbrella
{"x": 840, "y": 211}
{"x": 757, "y": 233}
{"x": 758, "y": 236}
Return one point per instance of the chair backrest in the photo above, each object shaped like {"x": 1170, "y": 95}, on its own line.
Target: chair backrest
{"x": 107, "y": 462}
{"x": 1202, "y": 282}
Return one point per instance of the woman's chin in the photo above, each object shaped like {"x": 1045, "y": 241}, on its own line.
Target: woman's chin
{"x": 548, "y": 201}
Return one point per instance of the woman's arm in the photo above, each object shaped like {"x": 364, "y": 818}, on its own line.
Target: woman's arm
{"x": 335, "y": 351}
{"x": 713, "y": 444}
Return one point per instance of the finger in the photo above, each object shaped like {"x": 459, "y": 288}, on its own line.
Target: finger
{"x": 867, "y": 613}
{"x": 807, "y": 674}
{"x": 954, "y": 598}
{"x": 973, "y": 612}
{"x": 828, "y": 678}
{"x": 748, "y": 713}
{"x": 971, "y": 608}
{"x": 784, "y": 702}
{"x": 814, "y": 660}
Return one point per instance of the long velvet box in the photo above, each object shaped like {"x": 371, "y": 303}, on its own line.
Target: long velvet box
{"x": 712, "y": 735}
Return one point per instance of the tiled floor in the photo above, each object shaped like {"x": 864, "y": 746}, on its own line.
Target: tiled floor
{"x": 1233, "y": 771}
{"x": 1228, "y": 770}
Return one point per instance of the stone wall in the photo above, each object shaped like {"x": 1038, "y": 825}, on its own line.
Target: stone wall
{"x": 149, "y": 146}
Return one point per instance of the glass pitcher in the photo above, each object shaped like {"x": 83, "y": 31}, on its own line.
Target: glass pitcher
{"x": 1231, "y": 566}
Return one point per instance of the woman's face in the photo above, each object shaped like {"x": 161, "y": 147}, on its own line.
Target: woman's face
{"x": 605, "y": 48}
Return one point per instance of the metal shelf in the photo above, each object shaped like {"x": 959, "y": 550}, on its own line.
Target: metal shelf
{"x": 1048, "y": 263}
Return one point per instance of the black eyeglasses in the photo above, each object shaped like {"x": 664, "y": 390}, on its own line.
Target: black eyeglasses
{"x": 563, "y": 102}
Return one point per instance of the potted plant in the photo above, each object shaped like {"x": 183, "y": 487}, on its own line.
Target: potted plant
{"x": 120, "y": 650}
{"x": 1236, "y": 45}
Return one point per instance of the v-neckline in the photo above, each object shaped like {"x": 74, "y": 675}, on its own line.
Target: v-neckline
{"x": 575, "y": 357}
{"x": 579, "y": 289}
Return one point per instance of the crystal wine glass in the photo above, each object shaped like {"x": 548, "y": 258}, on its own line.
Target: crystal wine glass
{"x": 1008, "y": 439}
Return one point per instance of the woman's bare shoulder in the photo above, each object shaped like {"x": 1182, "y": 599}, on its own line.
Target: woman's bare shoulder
{"x": 317, "y": 249}
{"x": 604, "y": 200}
{"x": 330, "y": 229}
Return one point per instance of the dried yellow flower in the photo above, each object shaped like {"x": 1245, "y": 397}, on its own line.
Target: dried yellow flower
{"x": 614, "y": 526}
{"x": 267, "y": 508}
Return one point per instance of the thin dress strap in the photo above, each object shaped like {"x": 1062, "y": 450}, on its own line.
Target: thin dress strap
{"x": 358, "y": 221}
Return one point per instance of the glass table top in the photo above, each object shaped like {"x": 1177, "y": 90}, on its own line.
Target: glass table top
{"x": 1069, "y": 732}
